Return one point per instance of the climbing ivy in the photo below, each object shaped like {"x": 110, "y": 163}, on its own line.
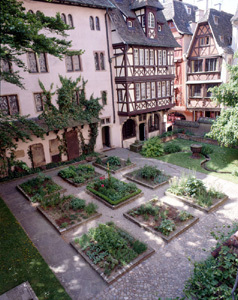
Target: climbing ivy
{"x": 72, "y": 105}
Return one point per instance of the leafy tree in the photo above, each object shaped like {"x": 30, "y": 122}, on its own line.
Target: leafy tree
{"x": 21, "y": 32}
{"x": 225, "y": 128}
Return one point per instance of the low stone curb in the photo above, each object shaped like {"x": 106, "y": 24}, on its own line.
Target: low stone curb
{"x": 23, "y": 291}
{"x": 29, "y": 198}
{"x": 68, "y": 228}
{"x": 122, "y": 271}
{"x": 132, "y": 165}
{"x": 117, "y": 205}
{"x": 190, "y": 203}
{"x": 81, "y": 184}
{"x": 189, "y": 223}
{"x": 130, "y": 177}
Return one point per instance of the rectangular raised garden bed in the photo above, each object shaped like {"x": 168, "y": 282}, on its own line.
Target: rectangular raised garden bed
{"x": 191, "y": 202}
{"x": 79, "y": 175}
{"x": 116, "y": 164}
{"x": 39, "y": 187}
{"x": 149, "y": 181}
{"x": 65, "y": 216}
{"x": 111, "y": 251}
{"x": 150, "y": 216}
{"x": 113, "y": 192}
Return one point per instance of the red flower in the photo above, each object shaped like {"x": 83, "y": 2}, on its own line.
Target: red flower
{"x": 101, "y": 178}
{"x": 102, "y": 185}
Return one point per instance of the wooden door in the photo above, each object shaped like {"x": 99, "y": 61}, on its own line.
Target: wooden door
{"x": 72, "y": 143}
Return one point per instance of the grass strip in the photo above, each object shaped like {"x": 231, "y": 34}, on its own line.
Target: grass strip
{"x": 20, "y": 261}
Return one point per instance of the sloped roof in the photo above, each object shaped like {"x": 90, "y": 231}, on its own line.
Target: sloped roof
{"x": 90, "y": 3}
{"x": 136, "y": 4}
{"x": 223, "y": 28}
{"x": 136, "y": 35}
{"x": 176, "y": 11}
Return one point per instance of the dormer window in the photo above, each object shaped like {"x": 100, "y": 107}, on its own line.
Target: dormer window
{"x": 159, "y": 28}
{"x": 129, "y": 24}
{"x": 215, "y": 18}
{"x": 188, "y": 9}
{"x": 151, "y": 20}
{"x": 221, "y": 38}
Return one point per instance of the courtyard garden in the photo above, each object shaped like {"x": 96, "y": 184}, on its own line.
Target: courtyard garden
{"x": 115, "y": 163}
{"x": 222, "y": 159}
{"x": 161, "y": 219}
{"x": 78, "y": 175}
{"x": 67, "y": 212}
{"x": 148, "y": 176}
{"x": 110, "y": 250}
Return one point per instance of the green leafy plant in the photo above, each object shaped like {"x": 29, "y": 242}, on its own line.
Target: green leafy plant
{"x": 113, "y": 161}
{"x": 184, "y": 215}
{"x": 166, "y": 227}
{"x": 152, "y": 148}
{"x": 77, "y": 203}
{"x": 172, "y": 148}
{"x": 91, "y": 208}
{"x": 206, "y": 150}
{"x": 139, "y": 247}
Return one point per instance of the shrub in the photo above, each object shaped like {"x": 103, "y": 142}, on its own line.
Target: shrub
{"x": 172, "y": 148}
{"x": 98, "y": 160}
{"x": 77, "y": 203}
{"x": 206, "y": 149}
{"x": 235, "y": 173}
{"x": 113, "y": 161}
{"x": 184, "y": 215}
{"x": 91, "y": 208}
{"x": 166, "y": 227}
{"x": 148, "y": 172}
{"x": 139, "y": 247}
{"x": 152, "y": 148}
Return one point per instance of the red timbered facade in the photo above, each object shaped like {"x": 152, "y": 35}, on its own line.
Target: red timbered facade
{"x": 144, "y": 68}
{"x": 206, "y": 63}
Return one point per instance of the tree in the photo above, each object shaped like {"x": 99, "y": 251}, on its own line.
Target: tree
{"x": 21, "y": 32}
{"x": 225, "y": 127}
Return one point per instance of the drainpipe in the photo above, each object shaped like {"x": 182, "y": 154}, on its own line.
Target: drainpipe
{"x": 110, "y": 67}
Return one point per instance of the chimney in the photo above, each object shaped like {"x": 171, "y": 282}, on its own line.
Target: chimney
{"x": 218, "y": 6}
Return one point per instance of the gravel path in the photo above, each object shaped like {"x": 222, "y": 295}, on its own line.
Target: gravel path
{"x": 164, "y": 273}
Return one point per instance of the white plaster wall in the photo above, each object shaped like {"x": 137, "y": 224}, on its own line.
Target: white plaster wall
{"x": 84, "y": 38}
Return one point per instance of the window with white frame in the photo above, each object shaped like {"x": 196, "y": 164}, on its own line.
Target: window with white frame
{"x": 142, "y": 60}
{"x": 164, "y": 57}
{"x": 138, "y": 91}
{"x": 159, "y": 89}
{"x": 160, "y": 57}
{"x": 136, "y": 56}
{"x": 163, "y": 89}
{"x": 168, "y": 88}
{"x": 152, "y": 59}
{"x": 147, "y": 57}
{"x": 152, "y": 90}
{"x": 151, "y": 20}
{"x": 143, "y": 91}
{"x": 148, "y": 91}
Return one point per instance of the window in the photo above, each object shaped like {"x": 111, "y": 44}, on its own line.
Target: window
{"x": 104, "y": 97}
{"x": 137, "y": 85}
{"x": 164, "y": 57}
{"x": 63, "y": 18}
{"x": 221, "y": 38}
{"x": 167, "y": 88}
{"x": 97, "y": 23}
{"x": 159, "y": 89}
{"x": 208, "y": 86}
{"x": 196, "y": 90}
{"x": 70, "y": 21}
{"x": 211, "y": 64}
{"x": 129, "y": 24}
{"x": 37, "y": 62}
{"x": 102, "y": 64}
{"x": 73, "y": 63}
{"x": 204, "y": 41}
{"x": 99, "y": 61}
{"x": 159, "y": 28}
{"x": 152, "y": 89}
{"x": 128, "y": 129}
{"x": 148, "y": 91}
{"x": 151, "y": 20}
{"x": 147, "y": 56}
{"x": 159, "y": 57}
{"x": 91, "y": 23}
{"x": 153, "y": 123}
{"x": 142, "y": 61}
{"x": 119, "y": 95}
{"x": 196, "y": 65}
{"x": 39, "y": 101}
{"x": 9, "y": 105}
{"x": 216, "y": 18}
{"x": 108, "y": 120}
{"x": 163, "y": 89}
{"x": 189, "y": 10}
{"x": 5, "y": 66}
{"x": 152, "y": 60}
{"x": 136, "y": 57}
{"x": 143, "y": 91}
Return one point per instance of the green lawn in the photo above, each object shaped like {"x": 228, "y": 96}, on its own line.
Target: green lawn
{"x": 20, "y": 261}
{"x": 222, "y": 159}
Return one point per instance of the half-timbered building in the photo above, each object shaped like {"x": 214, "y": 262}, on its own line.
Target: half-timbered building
{"x": 209, "y": 52}
{"x": 144, "y": 67}
{"x": 181, "y": 18}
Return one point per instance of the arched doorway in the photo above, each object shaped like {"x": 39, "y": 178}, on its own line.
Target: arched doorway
{"x": 106, "y": 136}
{"x": 129, "y": 129}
